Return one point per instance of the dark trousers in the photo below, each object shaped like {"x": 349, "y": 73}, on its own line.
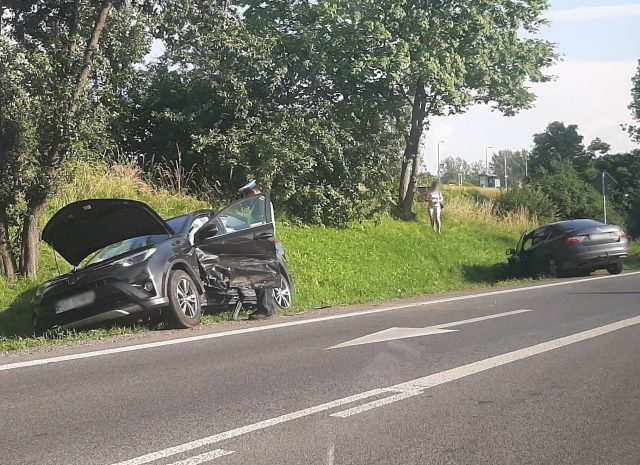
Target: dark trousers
{"x": 266, "y": 304}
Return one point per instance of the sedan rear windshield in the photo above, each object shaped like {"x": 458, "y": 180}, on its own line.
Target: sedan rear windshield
{"x": 135, "y": 243}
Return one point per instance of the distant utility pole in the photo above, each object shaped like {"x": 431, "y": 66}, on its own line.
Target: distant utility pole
{"x": 526, "y": 163}
{"x": 604, "y": 197}
{"x": 486, "y": 160}
{"x": 506, "y": 185}
{"x": 439, "y": 142}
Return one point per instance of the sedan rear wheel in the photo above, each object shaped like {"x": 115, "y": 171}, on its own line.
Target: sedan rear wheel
{"x": 283, "y": 295}
{"x": 184, "y": 301}
{"x": 616, "y": 268}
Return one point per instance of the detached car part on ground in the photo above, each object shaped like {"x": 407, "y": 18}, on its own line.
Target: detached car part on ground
{"x": 570, "y": 247}
{"x": 131, "y": 264}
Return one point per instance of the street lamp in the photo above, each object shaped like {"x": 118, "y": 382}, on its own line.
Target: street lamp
{"x": 486, "y": 160}
{"x": 506, "y": 184}
{"x": 439, "y": 142}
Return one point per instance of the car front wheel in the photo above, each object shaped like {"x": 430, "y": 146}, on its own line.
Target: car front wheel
{"x": 616, "y": 268}
{"x": 184, "y": 309}
{"x": 283, "y": 294}
{"x": 552, "y": 268}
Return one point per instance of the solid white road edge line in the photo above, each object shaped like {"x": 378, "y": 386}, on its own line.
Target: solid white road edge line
{"x": 170, "y": 342}
{"x": 207, "y": 456}
{"x": 402, "y": 391}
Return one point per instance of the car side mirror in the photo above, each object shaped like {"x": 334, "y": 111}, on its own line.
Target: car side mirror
{"x": 206, "y": 232}
{"x": 511, "y": 251}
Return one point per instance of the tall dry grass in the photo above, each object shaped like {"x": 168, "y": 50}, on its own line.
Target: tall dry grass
{"x": 99, "y": 180}
{"x": 464, "y": 208}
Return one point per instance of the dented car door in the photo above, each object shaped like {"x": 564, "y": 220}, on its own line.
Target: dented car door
{"x": 236, "y": 248}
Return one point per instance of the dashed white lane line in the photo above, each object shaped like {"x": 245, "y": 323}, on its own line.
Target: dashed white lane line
{"x": 185, "y": 340}
{"x": 401, "y": 391}
{"x": 376, "y": 403}
{"x": 206, "y": 457}
{"x": 161, "y": 454}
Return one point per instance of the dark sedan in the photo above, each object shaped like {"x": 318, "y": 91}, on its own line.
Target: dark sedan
{"x": 130, "y": 263}
{"x": 575, "y": 246}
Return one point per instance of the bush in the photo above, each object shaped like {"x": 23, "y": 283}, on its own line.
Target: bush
{"x": 573, "y": 197}
{"x": 529, "y": 198}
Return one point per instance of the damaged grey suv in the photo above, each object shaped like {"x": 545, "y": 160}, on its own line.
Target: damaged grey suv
{"x": 129, "y": 263}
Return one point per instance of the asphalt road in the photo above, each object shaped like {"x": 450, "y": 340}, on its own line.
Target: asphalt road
{"x": 545, "y": 375}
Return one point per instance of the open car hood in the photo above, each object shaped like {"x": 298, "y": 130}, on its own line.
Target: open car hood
{"x": 82, "y": 228}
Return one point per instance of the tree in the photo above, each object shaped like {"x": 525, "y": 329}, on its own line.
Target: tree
{"x": 62, "y": 41}
{"x": 558, "y": 142}
{"x": 516, "y": 162}
{"x": 625, "y": 169}
{"x": 452, "y": 168}
{"x": 573, "y": 197}
{"x": 242, "y": 93}
{"x": 424, "y": 59}
{"x": 634, "y": 106}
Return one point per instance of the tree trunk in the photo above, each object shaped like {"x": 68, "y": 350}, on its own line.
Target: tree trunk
{"x": 7, "y": 258}
{"x": 30, "y": 253}
{"x": 92, "y": 45}
{"x": 411, "y": 161}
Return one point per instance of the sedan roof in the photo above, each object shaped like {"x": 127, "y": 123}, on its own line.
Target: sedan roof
{"x": 576, "y": 224}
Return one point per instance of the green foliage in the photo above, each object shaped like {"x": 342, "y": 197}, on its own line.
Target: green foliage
{"x": 516, "y": 161}
{"x": 558, "y": 142}
{"x": 634, "y": 106}
{"x": 237, "y": 96}
{"x": 573, "y": 197}
{"x": 625, "y": 169}
{"x": 531, "y": 198}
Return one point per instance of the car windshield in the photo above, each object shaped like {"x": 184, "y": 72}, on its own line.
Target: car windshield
{"x": 135, "y": 243}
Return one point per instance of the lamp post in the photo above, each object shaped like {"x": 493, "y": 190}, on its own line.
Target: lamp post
{"x": 506, "y": 185}
{"x": 486, "y": 160}
{"x": 439, "y": 142}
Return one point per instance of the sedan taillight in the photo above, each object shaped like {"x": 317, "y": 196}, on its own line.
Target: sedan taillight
{"x": 572, "y": 240}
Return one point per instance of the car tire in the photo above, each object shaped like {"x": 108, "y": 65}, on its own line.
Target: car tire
{"x": 552, "y": 267}
{"x": 616, "y": 268}
{"x": 184, "y": 310}
{"x": 283, "y": 295}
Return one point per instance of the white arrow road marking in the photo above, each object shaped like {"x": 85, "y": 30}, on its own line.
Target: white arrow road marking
{"x": 410, "y": 389}
{"x": 207, "y": 456}
{"x": 403, "y": 333}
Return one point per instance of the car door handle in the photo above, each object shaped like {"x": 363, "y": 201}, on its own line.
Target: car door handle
{"x": 264, "y": 235}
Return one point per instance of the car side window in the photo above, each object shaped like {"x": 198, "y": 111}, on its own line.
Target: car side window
{"x": 247, "y": 213}
{"x": 540, "y": 235}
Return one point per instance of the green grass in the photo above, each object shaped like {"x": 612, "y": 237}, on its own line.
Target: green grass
{"x": 392, "y": 259}
{"x": 363, "y": 263}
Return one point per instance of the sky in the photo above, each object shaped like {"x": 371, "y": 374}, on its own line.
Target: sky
{"x": 599, "y": 42}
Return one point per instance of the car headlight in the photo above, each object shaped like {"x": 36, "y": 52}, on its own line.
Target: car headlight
{"x": 135, "y": 258}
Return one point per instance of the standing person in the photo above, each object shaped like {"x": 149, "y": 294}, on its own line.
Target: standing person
{"x": 265, "y": 303}
{"x": 435, "y": 199}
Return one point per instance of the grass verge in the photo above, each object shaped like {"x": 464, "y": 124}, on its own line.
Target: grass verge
{"x": 363, "y": 263}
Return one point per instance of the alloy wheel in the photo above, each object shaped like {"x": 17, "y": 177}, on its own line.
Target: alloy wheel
{"x": 282, "y": 294}
{"x": 187, "y": 297}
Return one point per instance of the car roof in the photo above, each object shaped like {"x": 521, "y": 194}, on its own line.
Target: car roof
{"x": 575, "y": 224}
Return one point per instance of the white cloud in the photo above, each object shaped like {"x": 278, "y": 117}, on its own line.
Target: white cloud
{"x": 594, "y": 95}
{"x": 595, "y": 12}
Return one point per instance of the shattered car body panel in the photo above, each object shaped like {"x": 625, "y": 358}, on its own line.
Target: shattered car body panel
{"x": 241, "y": 272}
